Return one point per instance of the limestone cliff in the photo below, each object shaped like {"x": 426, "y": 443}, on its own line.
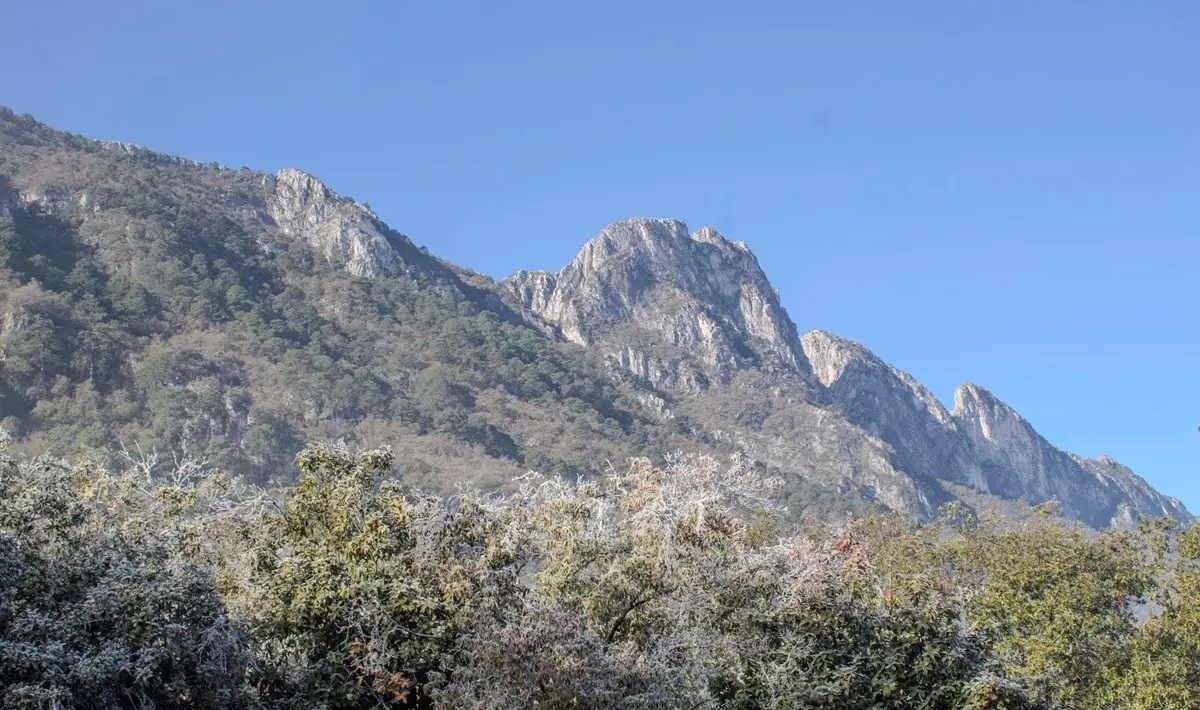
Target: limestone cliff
{"x": 677, "y": 309}
{"x": 686, "y": 323}
{"x": 982, "y": 443}
{"x": 891, "y": 405}
{"x": 1019, "y": 462}
{"x": 341, "y": 230}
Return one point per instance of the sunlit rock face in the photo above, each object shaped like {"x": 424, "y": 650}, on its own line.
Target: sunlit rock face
{"x": 339, "y": 229}
{"x": 651, "y": 294}
{"x": 982, "y": 443}
{"x": 684, "y": 313}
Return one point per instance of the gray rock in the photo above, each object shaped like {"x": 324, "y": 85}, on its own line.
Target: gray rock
{"x": 155, "y": 156}
{"x": 339, "y": 229}
{"x": 692, "y": 321}
{"x": 982, "y": 443}
{"x": 651, "y": 295}
{"x": 890, "y": 404}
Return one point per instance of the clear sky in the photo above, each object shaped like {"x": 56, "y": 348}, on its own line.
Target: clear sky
{"x": 1003, "y": 192}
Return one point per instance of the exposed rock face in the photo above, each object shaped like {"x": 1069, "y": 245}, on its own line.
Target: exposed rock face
{"x": 1019, "y": 462}
{"x": 649, "y": 293}
{"x": 982, "y": 443}
{"x": 687, "y": 321}
{"x": 694, "y": 321}
{"x": 772, "y": 418}
{"x": 341, "y": 230}
{"x": 891, "y": 405}
{"x": 1135, "y": 494}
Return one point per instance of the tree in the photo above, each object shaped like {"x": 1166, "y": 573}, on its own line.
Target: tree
{"x": 1163, "y": 662}
{"x": 359, "y": 594}
{"x": 1058, "y": 600}
{"x": 673, "y": 564}
{"x": 99, "y": 606}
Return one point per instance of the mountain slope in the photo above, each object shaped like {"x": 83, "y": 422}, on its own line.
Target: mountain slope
{"x": 702, "y": 296}
{"x": 692, "y": 319}
{"x": 184, "y": 307}
{"x": 982, "y": 443}
{"x": 180, "y": 306}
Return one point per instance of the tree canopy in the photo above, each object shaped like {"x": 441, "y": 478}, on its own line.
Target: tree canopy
{"x": 656, "y": 586}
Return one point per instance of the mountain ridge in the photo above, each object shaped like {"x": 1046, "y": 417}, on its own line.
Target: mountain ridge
{"x": 641, "y": 272}
{"x": 685, "y": 325}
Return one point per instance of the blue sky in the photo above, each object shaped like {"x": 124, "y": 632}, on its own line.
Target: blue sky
{"x": 1002, "y": 192}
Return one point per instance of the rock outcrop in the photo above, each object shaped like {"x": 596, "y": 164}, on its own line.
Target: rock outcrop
{"x": 982, "y": 443}
{"x": 889, "y": 404}
{"x": 1019, "y": 463}
{"x": 686, "y": 322}
{"x": 341, "y": 230}
{"x": 676, "y": 309}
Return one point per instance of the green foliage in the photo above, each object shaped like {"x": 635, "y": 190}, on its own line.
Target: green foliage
{"x": 149, "y": 302}
{"x": 662, "y": 563}
{"x": 155, "y": 288}
{"x": 358, "y": 594}
{"x": 1065, "y": 606}
{"x": 658, "y": 587}
{"x": 1163, "y": 658}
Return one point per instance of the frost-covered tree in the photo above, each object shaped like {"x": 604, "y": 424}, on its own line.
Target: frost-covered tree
{"x": 101, "y": 605}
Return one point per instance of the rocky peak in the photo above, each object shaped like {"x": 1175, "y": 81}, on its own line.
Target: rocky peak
{"x": 833, "y": 358}
{"x": 338, "y": 228}
{"x": 982, "y": 443}
{"x": 697, "y": 291}
{"x": 830, "y": 355}
{"x": 1139, "y": 497}
{"x": 1020, "y": 463}
{"x": 988, "y": 418}
{"x": 1006, "y": 444}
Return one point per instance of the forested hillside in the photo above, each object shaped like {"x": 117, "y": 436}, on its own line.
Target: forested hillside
{"x": 152, "y": 302}
{"x": 502, "y": 519}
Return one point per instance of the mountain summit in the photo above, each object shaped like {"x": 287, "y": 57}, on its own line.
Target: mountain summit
{"x": 982, "y": 443}
{"x": 677, "y": 309}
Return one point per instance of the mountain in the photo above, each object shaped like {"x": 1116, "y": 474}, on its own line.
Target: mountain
{"x": 981, "y": 443}
{"x": 157, "y": 303}
{"x": 700, "y": 295}
{"x": 154, "y": 302}
{"x": 692, "y": 319}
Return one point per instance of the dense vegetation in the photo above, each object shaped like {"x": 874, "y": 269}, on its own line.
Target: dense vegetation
{"x": 670, "y": 586}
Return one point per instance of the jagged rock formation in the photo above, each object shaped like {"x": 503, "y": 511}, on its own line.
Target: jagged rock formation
{"x": 889, "y": 404}
{"x": 677, "y": 310}
{"x": 1018, "y": 462}
{"x": 687, "y": 314}
{"x": 981, "y": 443}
